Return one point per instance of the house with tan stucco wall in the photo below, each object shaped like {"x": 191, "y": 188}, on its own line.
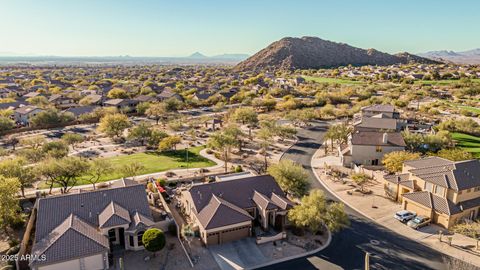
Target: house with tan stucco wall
{"x": 446, "y": 191}
{"x": 227, "y": 210}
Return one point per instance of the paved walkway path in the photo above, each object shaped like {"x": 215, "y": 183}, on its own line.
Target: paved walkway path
{"x": 380, "y": 209}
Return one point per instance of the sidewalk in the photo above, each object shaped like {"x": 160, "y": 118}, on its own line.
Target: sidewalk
{"x": 380, "y": 209}
{"x": 180, "y": 173}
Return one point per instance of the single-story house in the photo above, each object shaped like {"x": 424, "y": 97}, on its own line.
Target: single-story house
{"x": 77, "y": 231}
{"x": 226, "y": 210}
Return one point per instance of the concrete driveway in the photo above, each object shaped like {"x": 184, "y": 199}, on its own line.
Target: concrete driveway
{"x": 239, "y": 254}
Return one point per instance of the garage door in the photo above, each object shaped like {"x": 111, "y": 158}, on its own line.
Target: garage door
{"x": 417, "y": 209}
{"x": 235, "y": 234}
{"x": 213, "y": 239}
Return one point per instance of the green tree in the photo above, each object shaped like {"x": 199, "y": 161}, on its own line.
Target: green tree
{"x": 63, "y": 172}
{"x": 39, "y": 101}
{"x": 154, "y": 240}
{"x": 455, "y": 154}
{"x": 73, "y": 139}
{"x": 117, "y": 93}
{"x": 6, "y": 123}
{"x": 9, "y": 206}
{"x": 246, "y": 116}
{"x": 157, "y": 111}
{"x": 265, "y": 136}
{"x": 291, "y": 177}
{"x": 50, "y": 117}
{"x": 156, "y": 137}
{"x": 314, "y": 212}
{"x": 141, "y": 132}
{"x": 393, "y": 161}
{"x": 132, "y": 169}
{"x": 169, "y": 143}
{"x": 361, "y": 180}
{"x": 223, "y": 142}
{"x": 55, "y": 149}
{"x": 338, "y": 133}
{"x": 17, "y": 168}
{"x": 98, "y": 168}
{"x": 114, "y": 124}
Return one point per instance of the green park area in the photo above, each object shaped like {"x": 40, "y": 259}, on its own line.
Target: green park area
{"x": 468, "y": 142}
{"x": 153, "y": 162}
{"x": 331, "y": 80}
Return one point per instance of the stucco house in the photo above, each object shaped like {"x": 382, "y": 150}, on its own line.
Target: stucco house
{"x": 368, "y": 147}
{"x": 444, "y": 190}
{"x": 227, "y": 210}
{"x": 23, "y": 114}
{"x": 77, "y": 231}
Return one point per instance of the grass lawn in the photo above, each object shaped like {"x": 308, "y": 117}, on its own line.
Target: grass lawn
{"x": 155, "y": 162}
{"x": 468, "y": 142}
{"x": 331, "y": 80}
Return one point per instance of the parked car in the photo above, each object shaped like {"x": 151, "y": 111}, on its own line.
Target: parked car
{"x": 419, "y": 221}
{"x": 404, "y": 216}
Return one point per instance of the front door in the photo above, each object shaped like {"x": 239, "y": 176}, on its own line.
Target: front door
{"x": 121, "y": 235}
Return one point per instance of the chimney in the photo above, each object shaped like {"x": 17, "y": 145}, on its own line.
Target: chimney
{"x": 385, "y": 138}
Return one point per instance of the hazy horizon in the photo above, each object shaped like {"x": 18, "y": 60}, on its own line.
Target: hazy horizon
{"x": 212, "y": 27}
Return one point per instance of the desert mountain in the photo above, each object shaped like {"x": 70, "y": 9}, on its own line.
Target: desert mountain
{"x": 465, "y": 57}
{"x": 313, "y": 52}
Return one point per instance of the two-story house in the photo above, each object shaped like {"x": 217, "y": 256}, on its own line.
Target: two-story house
{"x": 444, "y": 190}
{"x": 386, "y": 110}
{"x": 368, "y": 147}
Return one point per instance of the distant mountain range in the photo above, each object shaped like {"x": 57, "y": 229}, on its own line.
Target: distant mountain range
{"x": 313, "y": 52}
{"x": 195, "y": 58}
{"x": 465, "y": 57}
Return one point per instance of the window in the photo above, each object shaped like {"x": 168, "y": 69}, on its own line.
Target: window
{"x": 459, "y": 192}
{"x": 429, "y": 187}
{"x": 131, "y": 241}
{"x": 468, "y": 190}
{"x": 378, "y": 149}
{"x": 440, "y": 191}
{"x": 477, "y": 189}
{"x": 139, "y": 238}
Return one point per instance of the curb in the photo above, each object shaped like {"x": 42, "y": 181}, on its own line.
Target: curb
{"x": 288, "y": 148}
{"x": 440, "y": 250}
{"x": 311, "y": 252}
{"x": 335, "y": 193}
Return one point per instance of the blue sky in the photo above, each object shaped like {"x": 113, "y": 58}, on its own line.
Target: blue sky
{"x": 181, "y": 27}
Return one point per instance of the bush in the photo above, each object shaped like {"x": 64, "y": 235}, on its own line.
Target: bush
{"x": 13, "y": 250}
{"x": 154, "y": 240}
{"x": 238, "y": 169}
{"x": 18, "y": 222}
{"x": 150, "y": 187}
{"x": 162, "y": 182}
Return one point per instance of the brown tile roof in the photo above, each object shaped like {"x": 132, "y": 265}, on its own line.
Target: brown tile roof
{"x": 396, "y": 178}
{"x": 113, "y": 215}
{"x": 376, "y": 138}
{"x": 428, "y": 162}
{"x": 82, "y": 209}
{"x": 454, "y": 175}
{"x": 377, "y": 123}
{"x": 71, "y": 238}
{"x": 434, "y": 202}
{"x": 219, "y": 213}
{"x": 238, "y": 191}
{"x": 262, "y": 201}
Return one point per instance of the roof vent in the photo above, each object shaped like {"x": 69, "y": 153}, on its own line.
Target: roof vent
{"x": 385, "y": 138}
{"x": 81, "y": 205}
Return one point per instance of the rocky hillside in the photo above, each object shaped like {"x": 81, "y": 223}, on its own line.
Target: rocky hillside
{"x": 313, "y": 52}
{"x": 465, "y": 57}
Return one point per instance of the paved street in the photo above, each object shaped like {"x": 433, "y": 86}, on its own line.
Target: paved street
{"x": 388, "y": 250}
